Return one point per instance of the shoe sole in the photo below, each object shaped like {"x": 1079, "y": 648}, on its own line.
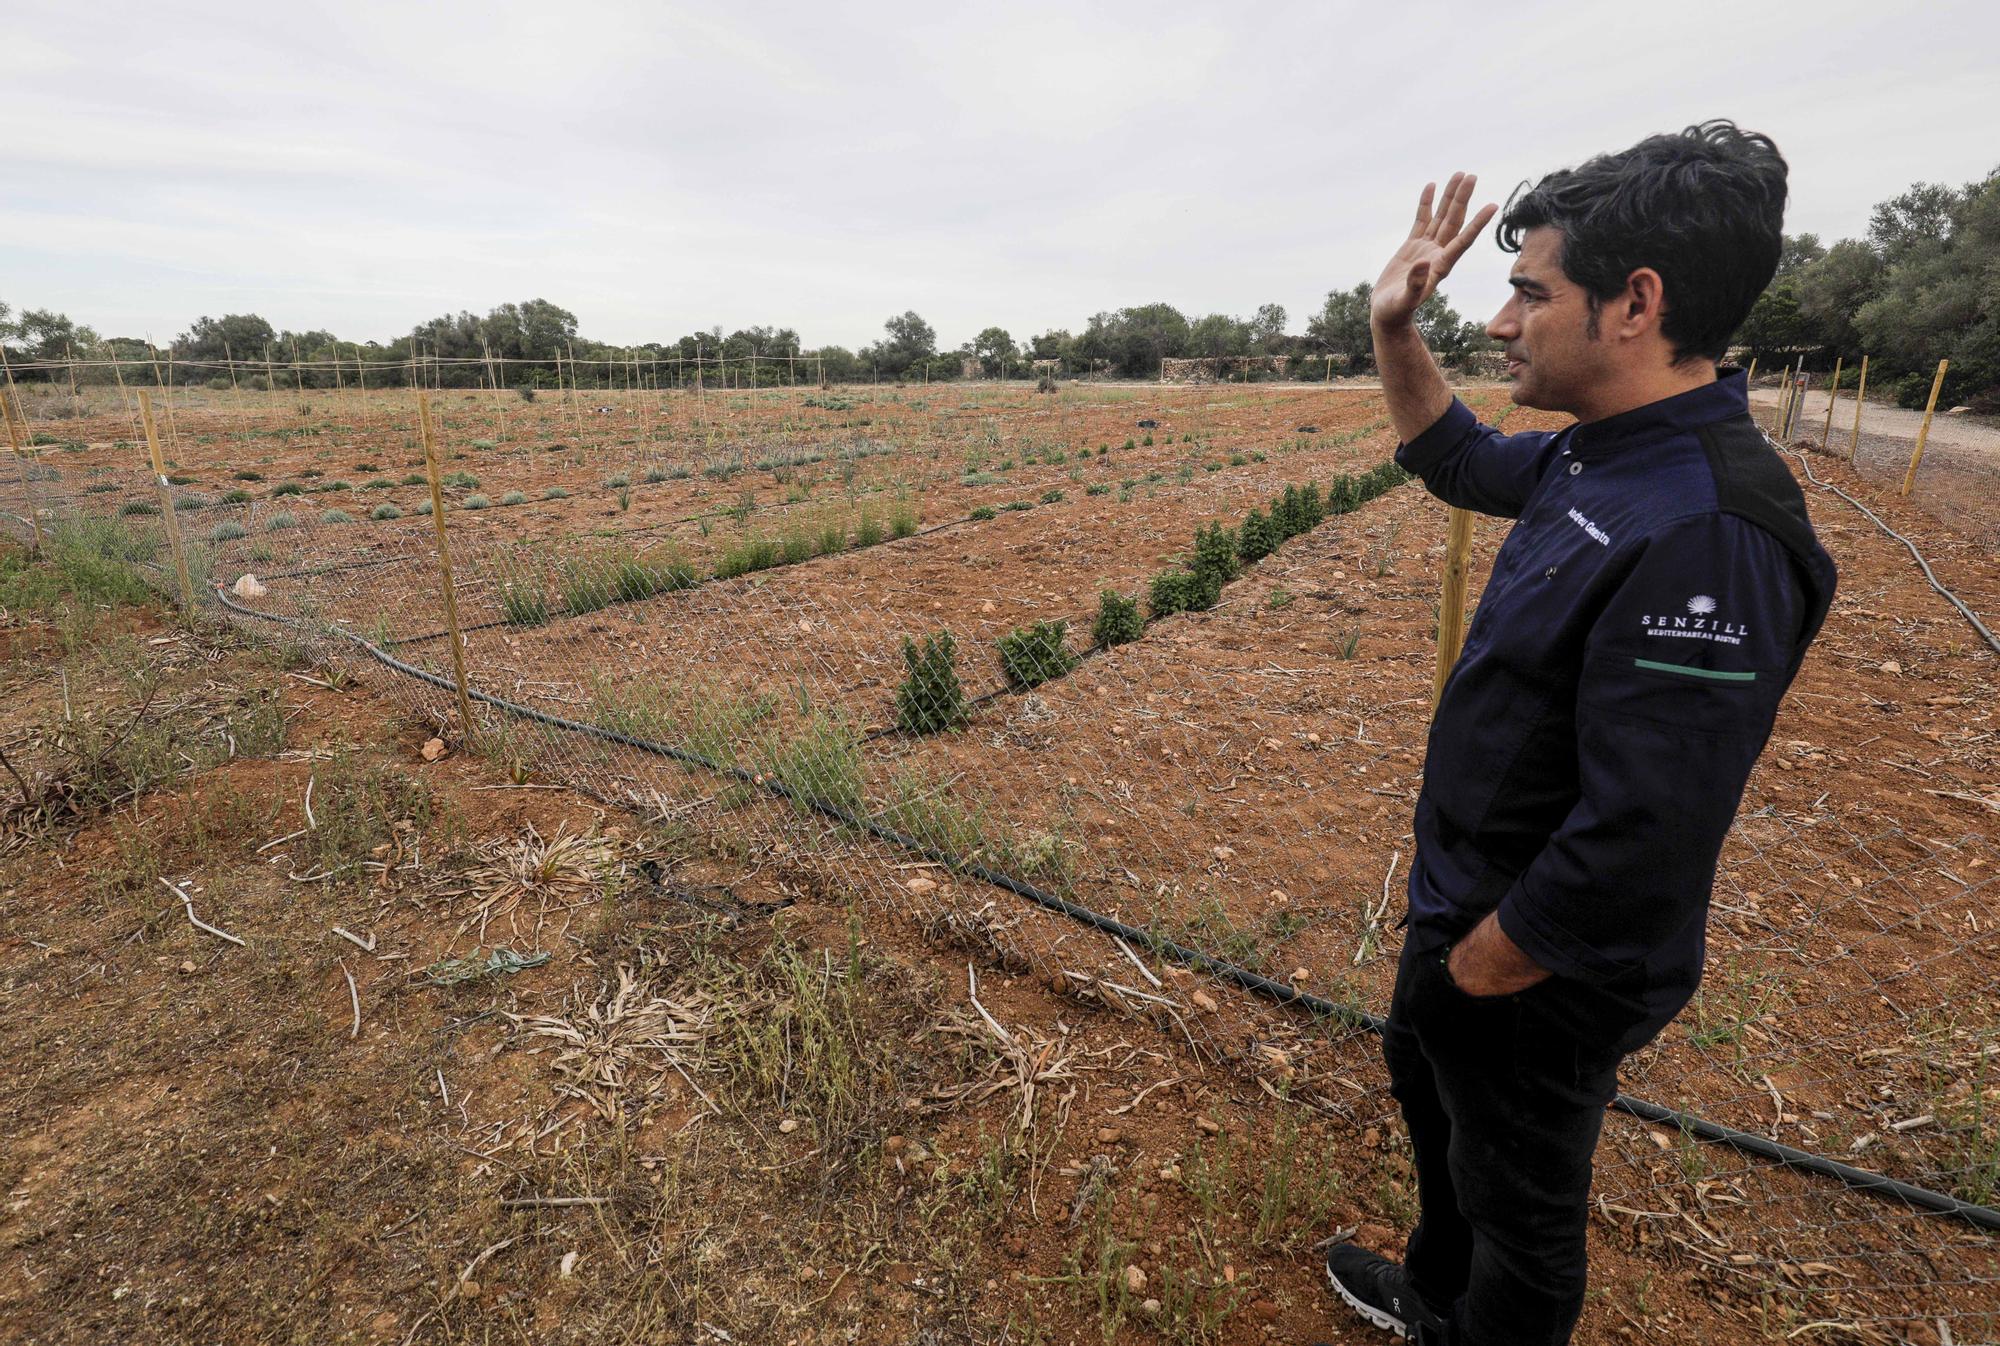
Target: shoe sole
{"x": 1386, "y": 1321}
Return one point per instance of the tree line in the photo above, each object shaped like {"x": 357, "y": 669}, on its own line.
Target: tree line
{"x": 1922, "y": 285}
{"x": 533, "y": 344}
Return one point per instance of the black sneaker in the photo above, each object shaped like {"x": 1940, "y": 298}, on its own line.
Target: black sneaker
{"x": 1379, "y": 1290}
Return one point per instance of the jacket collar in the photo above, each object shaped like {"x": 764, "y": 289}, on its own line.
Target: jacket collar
{"x": 1718, "y": 401}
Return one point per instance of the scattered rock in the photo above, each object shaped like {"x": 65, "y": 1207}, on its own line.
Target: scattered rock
{"x": 894, "y": 1145}
{"x": 568, "y": 1265}
{"x": 1209, "y": 1124}
{"x": 468, "y": 1289}
{"x": 1135, "y": 1279}
{"x": 1263, "y": 1310}
{"x": 1109, "y": 1135}
{"x": 1890, "y": 666}
{"x": 187, "y": 967}
{"x": 246, "y": 586}
{"x": 1225, "y": 853}
{"x": 1372, "y": 1137}
{"x": 433, "y": 749}
{"x": 920, "y": 886}
{"x": 789, "y": 1125}
{"x": 1150, "y": 1307}
{"x": 1204, "y": 1002}
{"x": 1301, "y": 974}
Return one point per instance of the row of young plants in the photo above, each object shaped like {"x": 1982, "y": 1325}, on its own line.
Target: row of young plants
{"x": 932, "y": 697}
{"x": 625, "y": 576}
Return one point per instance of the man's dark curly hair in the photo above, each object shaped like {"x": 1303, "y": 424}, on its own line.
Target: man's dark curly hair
{"x": 1704, "y": 208}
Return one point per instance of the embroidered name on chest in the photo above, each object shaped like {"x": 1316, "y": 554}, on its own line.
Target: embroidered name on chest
{"x": 1596, "y": 534}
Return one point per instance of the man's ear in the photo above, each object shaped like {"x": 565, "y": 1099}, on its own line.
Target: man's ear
{"x": 1642, "y": 305}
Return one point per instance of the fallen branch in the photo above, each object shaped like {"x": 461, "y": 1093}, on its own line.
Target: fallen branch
{"x": 516, "y": 1201}
{"x": 187, "y": 904}
{"x": 354, "y": 995}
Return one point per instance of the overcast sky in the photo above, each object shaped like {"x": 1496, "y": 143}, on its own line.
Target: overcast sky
{"x": 659, "y": 168}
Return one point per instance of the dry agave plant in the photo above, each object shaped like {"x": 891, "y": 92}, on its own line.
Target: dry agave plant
{"x": 616, "y": 1053}
{"x": 554, "y": 872}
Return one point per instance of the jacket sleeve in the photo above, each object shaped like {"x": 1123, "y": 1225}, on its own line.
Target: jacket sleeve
{"x": 1683, "y": 673}
{"x": 1474, "y": 466}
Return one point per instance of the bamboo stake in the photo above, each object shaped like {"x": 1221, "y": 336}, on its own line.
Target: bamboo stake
{"x": 166, "y": 383}
{"x": 23, "y": 460}
{"x": 1451, "y": 605}
{"x": 575, "y": 415}
{"x": 1924, "y": 430}
{"x": 166, "y": 501}
{"x": 1860, "y": 393}
{"x": 1832, "y": 394}
{"x": 75, "y": 401}
{"x": 449, "y": 593}
{"x": 1750, "y": 379}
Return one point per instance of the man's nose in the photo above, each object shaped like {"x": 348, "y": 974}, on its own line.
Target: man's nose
{"x": 1504, "y": 326}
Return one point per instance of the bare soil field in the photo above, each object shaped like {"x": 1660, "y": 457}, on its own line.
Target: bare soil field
{"x": 536, "y": 1033}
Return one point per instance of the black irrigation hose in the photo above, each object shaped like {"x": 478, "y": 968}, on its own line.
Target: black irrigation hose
{"x": 1983, "y": 1217}
{"x": 1925, "y": 566}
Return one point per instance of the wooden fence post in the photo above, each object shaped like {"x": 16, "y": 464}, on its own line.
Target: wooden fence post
{"x": 25, "y": 461}
{"x": 1451, "y": 605}
{"x": 449, "y": 592}
{"x": 1832, "y": 392}
{"x": 1860, "y": 393}
{"x": 1924, "y": 430}
{"x": 166, "y": 501}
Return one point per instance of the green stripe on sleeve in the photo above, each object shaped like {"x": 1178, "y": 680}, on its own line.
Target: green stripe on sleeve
{"x": 1712, "y": 674}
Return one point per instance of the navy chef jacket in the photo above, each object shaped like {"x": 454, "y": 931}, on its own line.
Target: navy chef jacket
{"x": 1642, "y": 622}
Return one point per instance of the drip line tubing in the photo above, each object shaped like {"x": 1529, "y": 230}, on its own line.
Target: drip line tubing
{"x": 1992, "y": 641}
{"x": 1983, "y": 1217}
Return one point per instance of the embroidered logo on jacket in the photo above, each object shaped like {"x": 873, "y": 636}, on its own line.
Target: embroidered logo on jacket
{"x": 1699, "y": 624}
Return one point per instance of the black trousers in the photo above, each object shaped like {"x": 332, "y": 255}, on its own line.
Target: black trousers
{"x": 1504, "y": 1098}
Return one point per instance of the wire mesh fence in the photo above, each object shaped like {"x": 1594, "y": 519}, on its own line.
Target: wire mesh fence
{"x": 860, "y": 644}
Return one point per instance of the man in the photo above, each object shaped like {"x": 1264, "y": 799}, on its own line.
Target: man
{"x": 1643, "y": 620}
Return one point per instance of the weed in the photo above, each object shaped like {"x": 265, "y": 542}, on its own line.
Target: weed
{"x": 476, "y": 501}
{"x": 384, "y": 512}
{"x": 336, "y": 516}
{"x": 227, "y": 531}
{"x": 280, "y": 521}
{"x": 555, "y": 493}
{"x": 514, "y": 498}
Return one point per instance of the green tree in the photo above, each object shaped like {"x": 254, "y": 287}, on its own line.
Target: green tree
{"x": 1341, "y": 326}
{"x": 995, "y": 350}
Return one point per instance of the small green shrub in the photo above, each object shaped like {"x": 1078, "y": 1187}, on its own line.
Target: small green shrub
{"x": 617, "y": 480}
{"x": 746, "y": 557}
{"x": 1256, "y": 540}
{"x": 179, "y": 479}
{"x": 1031, "y": 655}
{"x": 1130, "y": 443}
{"x": 476, "y": 501}
{"x": 522, "y": 603}
{"x": 1215, "y": 555}
{"x": 422, "y": 507}
{"x": 868, "y": 531}
{"x": 1178, "y": 590}
{"x": 902, "y": 521}
{"x": 463, "y": 481}
{"x": 379, "y": 484}
{"x": 385, "y": 511}
{"x": 415, "y": 479}
{"x": 233, "y": 498}
{"x": 337, "y": 484}
{"x": 983, "y": 512}
{"x": 1052, "y": 496}
{"x": 247, "y": 475}
{"x": 134, "y": 508}
{"x": 279, "y": 522}
{"x": 930, "y": 697}
{"x": 336, "y": 516}
{"x": 514, "y": 498}
{"x": 555, "y": 493}
{"x": 227, "y": 531}
{"x": 287, "y": 488}
{"x": 483, "y": 444}
{"x": 1012, "y": 505}
{"x": 1118, "y": 621}
{"x": 1098, "y": 488}
{"x": 585, "y": 586}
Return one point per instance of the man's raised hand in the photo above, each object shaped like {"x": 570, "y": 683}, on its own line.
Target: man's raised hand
{"x": 1436, "y": 242}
